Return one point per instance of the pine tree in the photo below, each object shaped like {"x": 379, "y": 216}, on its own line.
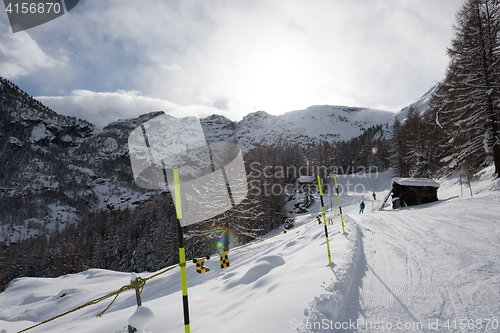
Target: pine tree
{"x": 420, "y": 137}
{"x": 308, "y": 197}
{"x": 466, "y": 103}
{"x": 399, "y": 151}
{"x": 426, "y": 163}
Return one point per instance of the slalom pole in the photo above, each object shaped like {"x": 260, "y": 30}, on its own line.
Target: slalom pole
{"x": 340, "y": 208}
{"x": 182, "y": 255}
{"x": 468, "y": 181}
{"x": 331, "y": 200}
{"x": 461, "y": 189}
{"x": 324, "y": 221}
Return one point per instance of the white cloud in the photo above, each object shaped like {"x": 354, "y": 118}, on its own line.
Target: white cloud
{"x": 20, "y": 55}
{"x": 102, "y": 108}
{"x": 280, "y": 56}
{"x": 174, "y": 67}
{"x": 240, "y": 55}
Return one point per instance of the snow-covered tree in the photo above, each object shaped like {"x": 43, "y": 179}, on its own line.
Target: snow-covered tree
{"x": 421, "y": 135}
{"x": 399, "y": 151}
{"x": 466, "y": 102}
{"x": 425, "y": 148}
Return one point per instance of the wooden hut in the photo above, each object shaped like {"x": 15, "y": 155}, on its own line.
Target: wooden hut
{"x": 307, "y": 183}
{"x": 412, "y": 191}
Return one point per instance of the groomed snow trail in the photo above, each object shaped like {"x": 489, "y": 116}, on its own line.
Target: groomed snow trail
{"x": 428, "y": 268}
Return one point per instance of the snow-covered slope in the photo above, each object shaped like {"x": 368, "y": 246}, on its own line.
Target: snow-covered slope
{"x": 433, "y": 267}
{"x": 423, "y": 265}
{"x": 267, "y": 288}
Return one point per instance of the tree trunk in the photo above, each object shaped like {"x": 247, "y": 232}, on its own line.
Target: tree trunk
{"x": 496, "y": 148}
{"x": 226, "y": 240}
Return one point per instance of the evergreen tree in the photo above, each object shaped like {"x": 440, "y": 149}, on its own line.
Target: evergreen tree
{"x": 399, "y": 150}
{"x": 466, "y": 103}
{"x": 425, "y": 154}
{"x": 308, "y": 197}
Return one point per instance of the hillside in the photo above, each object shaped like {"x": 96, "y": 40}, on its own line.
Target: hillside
{"x": 422, "y": 265}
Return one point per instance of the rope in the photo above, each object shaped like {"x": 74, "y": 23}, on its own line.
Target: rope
{"x": 139, "y": 284}
{"x": 135, "y": 285}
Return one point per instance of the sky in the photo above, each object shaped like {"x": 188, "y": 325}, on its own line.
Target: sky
{"x": 115, "y": 59}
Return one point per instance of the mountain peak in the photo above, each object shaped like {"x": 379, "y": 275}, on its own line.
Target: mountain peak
{"x": 134, "y": 122}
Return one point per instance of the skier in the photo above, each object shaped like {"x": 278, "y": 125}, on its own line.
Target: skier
{"x": 374, "y": 196}
{"x": 361, "y": 207}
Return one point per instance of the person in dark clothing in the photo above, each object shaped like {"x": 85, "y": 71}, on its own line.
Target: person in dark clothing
{"x": 361, "y": 207}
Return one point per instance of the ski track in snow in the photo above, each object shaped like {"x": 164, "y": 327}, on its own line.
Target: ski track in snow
{"x": 433, "y": 263}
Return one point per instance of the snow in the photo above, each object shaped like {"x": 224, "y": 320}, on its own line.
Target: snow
{"x": 258, "y": 291}
{"x": 141, "y": 317}
{"x": 67, "y": 138}
{"x": 15, "y": 141}
{"x": 420, "y": 105}
{"x": 416, "y": 182}
{"x": 86, "y": 171}
{"x": 59, "y": 216}
{"x": 314, "y": 124}
{"x": 423, "y": 265}
{"x": 435, "y": 264}
{"x": 306, "y": 179}
{"x": 40, "y": 132}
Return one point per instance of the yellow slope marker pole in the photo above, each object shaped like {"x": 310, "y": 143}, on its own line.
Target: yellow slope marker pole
{"x": 182, "y": 255}
{"x": 324, "y": 222}
{"x": 340, "y": 208}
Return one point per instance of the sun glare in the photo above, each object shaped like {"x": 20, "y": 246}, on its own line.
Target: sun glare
{"x": 276, "y": 79}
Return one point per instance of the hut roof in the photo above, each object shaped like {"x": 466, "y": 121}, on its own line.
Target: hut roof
{"x": 416, "y": 182}
{"x": 306, "y": 179}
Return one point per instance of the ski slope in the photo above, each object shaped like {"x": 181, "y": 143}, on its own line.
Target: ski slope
{"x": 419, "y": 265}
{"x": 433, "y": 267}
{"x": 267, "y": 285}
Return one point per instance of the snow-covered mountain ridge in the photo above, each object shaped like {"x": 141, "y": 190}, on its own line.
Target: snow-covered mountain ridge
{"x": 304, "y": 127}
{"x": 420, "y": 105}
{"x": 55, "y": 168}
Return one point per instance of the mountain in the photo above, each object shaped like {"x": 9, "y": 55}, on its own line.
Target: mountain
{"x": 54, "y": 169}
{"x": 421, "y": 105}
{"x": 304, "y": 127}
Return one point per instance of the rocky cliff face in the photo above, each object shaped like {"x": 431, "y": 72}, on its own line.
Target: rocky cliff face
{"x": 55, "y": 168}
